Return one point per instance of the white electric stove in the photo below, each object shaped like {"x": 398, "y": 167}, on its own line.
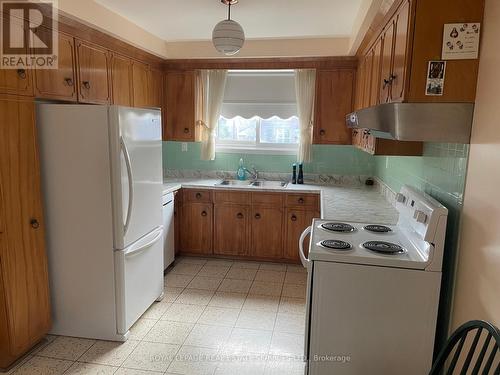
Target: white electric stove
{"x": 373, "y": 291}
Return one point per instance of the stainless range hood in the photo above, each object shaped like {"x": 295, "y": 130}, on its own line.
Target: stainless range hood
{"x": 431, "y": 122}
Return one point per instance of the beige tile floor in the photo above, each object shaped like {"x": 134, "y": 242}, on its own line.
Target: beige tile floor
{"x": 218, "y": 317}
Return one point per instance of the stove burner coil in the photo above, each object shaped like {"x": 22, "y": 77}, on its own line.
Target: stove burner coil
{"x": 377, "y": 228}
{"x": 338, "y": 227}
{"x": 336, "y": 244}
{"x": 383, "y": 247}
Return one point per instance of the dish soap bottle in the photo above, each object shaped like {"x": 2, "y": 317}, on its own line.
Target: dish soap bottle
{"x": 294, "y": 173}
{"x": 300, "y": 177}
{"x": 240, "y": 173}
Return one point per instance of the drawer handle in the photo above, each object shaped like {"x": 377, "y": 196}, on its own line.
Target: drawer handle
{"x": 34, "y": 223}
{"x": 301, "y": 200}
{"x": 21, "y": 73}
{"x": 198, "y": 195}
{"x": 322, "y": 132}
{"x": 239, "y": 215}
{"x": 186, "y": 130}
{"x": 68, "y": 81}
{"x": 86, "y": 84}
{"x": 257, "y": 216}
{"x": 293, "y": 218}
{"x": 204, "y": 213}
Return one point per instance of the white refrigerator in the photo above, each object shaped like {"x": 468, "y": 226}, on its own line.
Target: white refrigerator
{"x": 102, "y": 187}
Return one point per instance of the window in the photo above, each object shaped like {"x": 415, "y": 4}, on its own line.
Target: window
{"x": 259, "y": 112}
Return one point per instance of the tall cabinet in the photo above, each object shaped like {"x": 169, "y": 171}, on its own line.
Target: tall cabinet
{"x": 24, "y": 293}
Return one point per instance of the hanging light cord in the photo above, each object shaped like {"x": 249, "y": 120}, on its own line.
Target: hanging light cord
{"x": 229, "y": 12}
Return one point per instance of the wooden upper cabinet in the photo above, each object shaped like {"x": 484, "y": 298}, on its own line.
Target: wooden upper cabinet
{"x": 121, "y": 80}
{"x": 179, "y": 111}
{"x": 155, "y": 84}
{"x": 400, "y": 51}
{"x": 386, "y": 63}
{"x": 58, "y": 83}
{"x": 93, "y": 73}
{"x": 24, "y": 287}
{"x": 140, "y": 78}
{"x": 376, "y": 52}
{"x": 231, "y": 234}
{"x": 266, "y": 232}
{"x": 334, "y": 100}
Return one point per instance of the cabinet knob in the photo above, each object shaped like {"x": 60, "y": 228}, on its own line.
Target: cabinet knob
{"x": 257, "y": 216}
{"x": 198, "y": 195}
{"x": 204, "y": 213}
{"x": 69, "y": 81}
{"x": 239, "y": 215}
{"x": 322, "y": 132}
{"x": 301, "y": 200}
{"x": 186, "y": 130}
{"x": 34, "y": 223}
{"x": 293, "y": 218}
{"x": 86, "y": 84}
{"x": 21, "y": 73}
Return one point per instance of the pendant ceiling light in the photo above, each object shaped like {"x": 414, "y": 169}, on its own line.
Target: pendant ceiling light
{"x": 228, "y": 36}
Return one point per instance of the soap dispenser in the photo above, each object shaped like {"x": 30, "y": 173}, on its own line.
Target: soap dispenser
{"x": 240, "y": 173}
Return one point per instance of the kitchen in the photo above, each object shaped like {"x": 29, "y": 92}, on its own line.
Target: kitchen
{"x": 371, "y": 124}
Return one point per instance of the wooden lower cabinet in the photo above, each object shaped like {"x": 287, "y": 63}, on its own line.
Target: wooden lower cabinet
{"x": 295, "y": 223}
{"x": 196, "y": 228}
{"x": 266, "y": 232}
{"x": 24, "y": 291}
{"x": 231, "y": 229}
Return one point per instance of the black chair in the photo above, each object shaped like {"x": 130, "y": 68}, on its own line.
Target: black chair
{"x": 485, "y": 332}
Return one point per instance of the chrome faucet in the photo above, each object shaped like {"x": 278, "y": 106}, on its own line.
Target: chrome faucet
{"x": 254, "y": 173}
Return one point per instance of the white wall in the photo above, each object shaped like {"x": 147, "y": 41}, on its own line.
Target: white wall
{"x": 477, "y": 294}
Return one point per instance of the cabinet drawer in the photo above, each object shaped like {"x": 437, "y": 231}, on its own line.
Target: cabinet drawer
{"x": 303, "y": 200}
{"x": 197, "y": 195}
{"x": 272, "y": 199}
{"x": 235, "y": 197}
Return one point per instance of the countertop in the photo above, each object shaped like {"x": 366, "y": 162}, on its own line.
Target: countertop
{"x": 342, "y": 203}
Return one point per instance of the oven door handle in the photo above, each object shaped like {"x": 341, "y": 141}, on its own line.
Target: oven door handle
{"x": 305, "y": 262}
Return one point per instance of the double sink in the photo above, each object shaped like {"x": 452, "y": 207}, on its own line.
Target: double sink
{"x": 264, "y": 184}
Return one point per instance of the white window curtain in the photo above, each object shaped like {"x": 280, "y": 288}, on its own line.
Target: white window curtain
{"x": 305, "y": 88}
{"x": 210, "y": 85}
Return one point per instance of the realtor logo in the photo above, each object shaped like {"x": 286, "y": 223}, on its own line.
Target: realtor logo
{"x": 29, "y": 34}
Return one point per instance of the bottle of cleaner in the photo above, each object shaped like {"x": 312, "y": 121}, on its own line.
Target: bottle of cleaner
{"x": 294, "y": 173}
{"x": 240, "y": 173}
{"x": 300, "y": 178}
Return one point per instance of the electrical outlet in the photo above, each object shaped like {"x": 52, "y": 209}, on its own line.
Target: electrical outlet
{"x": 184, "y": 147}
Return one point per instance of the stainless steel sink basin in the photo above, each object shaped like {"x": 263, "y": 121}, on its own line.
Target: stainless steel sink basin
{"x": 233, "y": 183}
{"x": 269, "y": 184}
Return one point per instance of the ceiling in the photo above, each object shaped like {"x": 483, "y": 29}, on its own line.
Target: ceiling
{"x": 193, "y": 20}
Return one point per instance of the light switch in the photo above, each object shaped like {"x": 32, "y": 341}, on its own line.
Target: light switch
{"x": 184, "y": 147}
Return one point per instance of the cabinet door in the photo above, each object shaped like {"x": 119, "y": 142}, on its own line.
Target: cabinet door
{"x": 24, "y": 303}
{"x": 334, "y": 97}
{"x": 386, "y": 69}
{"x": 196, "y": 228}
{"x": 376, "y": 72}
{"x": 121, "y": 80}
{"x": 140, "y": 73}
{"x": 58, "y": 83}
{"x": 179, "y": 109}
{"x": 267, "y": 232}
{"x": 296, "y": 222}
{"x": 231, "y": 225}
{"x": 368, "y": 67}
{"x": 400, "y": 52}
{"x": 360, "y": 83}
{"x": 155, "y": 79}
{"x": 93, "y": 72}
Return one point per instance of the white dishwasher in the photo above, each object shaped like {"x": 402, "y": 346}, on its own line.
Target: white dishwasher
{"x": 168, "y": 230}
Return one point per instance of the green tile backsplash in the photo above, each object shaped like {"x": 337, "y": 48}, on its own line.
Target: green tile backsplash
{"x": 338, "y": 160}
{"x": 440, "y": 173}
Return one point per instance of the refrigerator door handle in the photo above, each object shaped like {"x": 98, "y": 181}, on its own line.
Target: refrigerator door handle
{"x": 128, "y": 164}
{"x": 145, "y": 246}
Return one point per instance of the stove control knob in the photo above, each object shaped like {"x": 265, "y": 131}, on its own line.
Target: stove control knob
{"x": 400, "y": 198}
{"x": 420, "y": 216}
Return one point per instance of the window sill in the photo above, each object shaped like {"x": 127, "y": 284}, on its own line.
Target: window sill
{"x": 256, "y": 150}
